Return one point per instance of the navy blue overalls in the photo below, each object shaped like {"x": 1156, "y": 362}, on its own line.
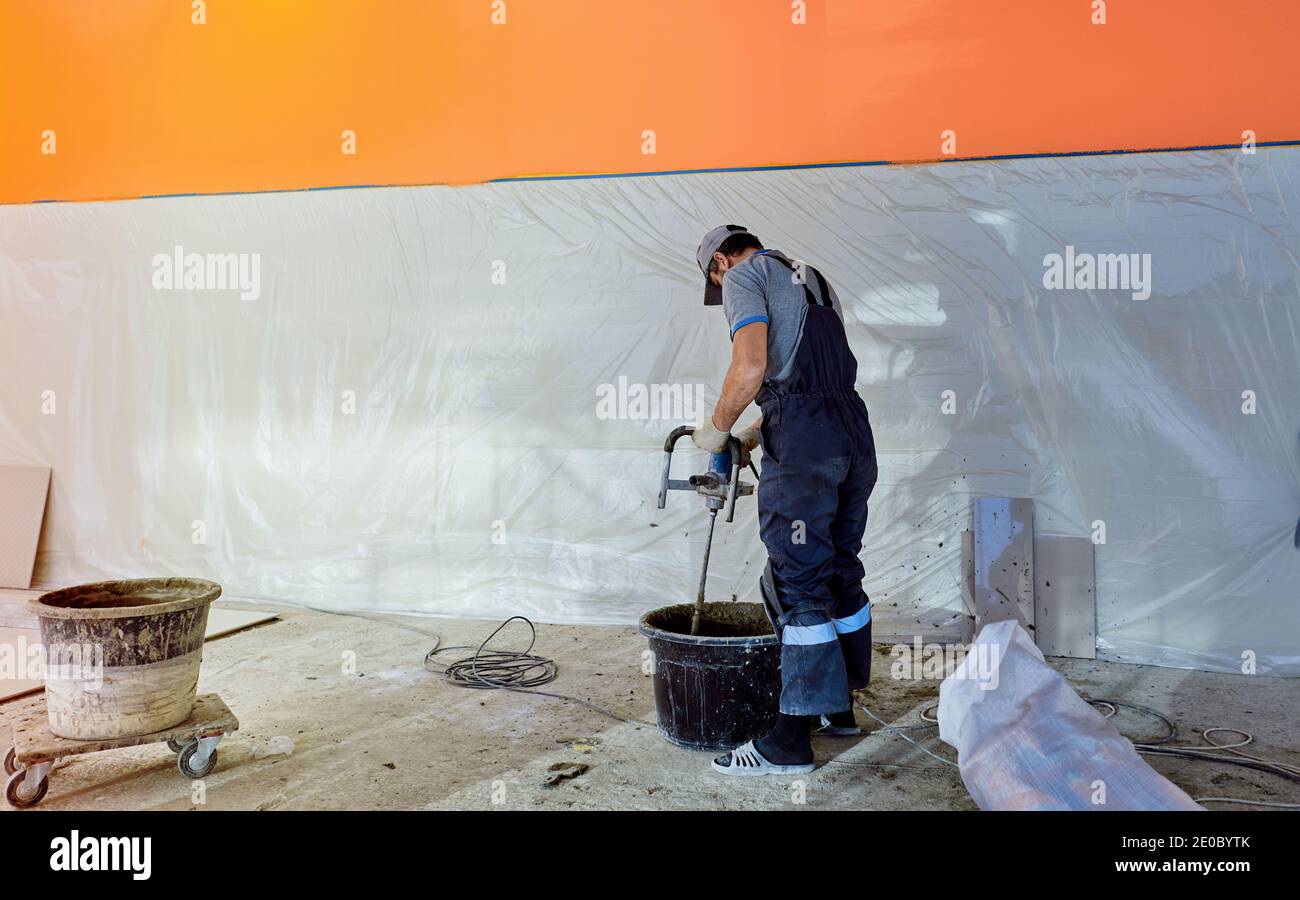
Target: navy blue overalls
{"x": 819, "y": 468}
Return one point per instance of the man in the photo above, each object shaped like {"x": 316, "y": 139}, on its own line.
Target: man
{"x": 789, "y": 351}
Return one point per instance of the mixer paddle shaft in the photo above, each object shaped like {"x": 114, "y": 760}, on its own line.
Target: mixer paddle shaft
{"x": 704, "y": 575}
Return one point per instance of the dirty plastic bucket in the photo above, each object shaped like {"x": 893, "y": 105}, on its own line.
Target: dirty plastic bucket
{"x": 122, "y": 657}
{"x": 716, "y": 690}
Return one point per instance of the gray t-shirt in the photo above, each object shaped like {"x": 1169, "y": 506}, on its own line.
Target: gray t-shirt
{"x": 762, "y": 289}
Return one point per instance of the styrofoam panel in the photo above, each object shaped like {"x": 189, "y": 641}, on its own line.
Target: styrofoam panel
{"x": 23, "y": 490}
{"x": 1065, "y": 596}
{"x": 1004, "y": 561}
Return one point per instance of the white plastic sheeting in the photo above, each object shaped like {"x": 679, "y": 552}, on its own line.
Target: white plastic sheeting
{"x": 1026, "y": 741}
{"x": 410, "y": 415}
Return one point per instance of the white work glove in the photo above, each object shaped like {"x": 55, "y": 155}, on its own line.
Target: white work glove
{"x": 749, "y": 438}
{"x": 707, "y": 437}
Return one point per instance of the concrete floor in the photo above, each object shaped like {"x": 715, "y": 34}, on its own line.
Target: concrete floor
{"x": 389, "y": 735}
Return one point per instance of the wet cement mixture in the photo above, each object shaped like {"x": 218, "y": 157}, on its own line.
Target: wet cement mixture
{"x": 725, "y": 619}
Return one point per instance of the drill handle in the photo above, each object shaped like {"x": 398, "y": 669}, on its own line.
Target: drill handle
{"x": 674, "y": 436}
{"x": 733, "y": 444}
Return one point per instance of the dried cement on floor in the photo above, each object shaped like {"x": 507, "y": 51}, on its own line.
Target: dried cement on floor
{"x": 370, "y": 728}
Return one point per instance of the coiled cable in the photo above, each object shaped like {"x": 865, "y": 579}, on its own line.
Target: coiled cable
{"x": 521, "y": 671}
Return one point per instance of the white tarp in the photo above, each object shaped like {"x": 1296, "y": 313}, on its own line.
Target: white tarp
{"x": 1026, "y": 741}
{"x": 419, "y": 410}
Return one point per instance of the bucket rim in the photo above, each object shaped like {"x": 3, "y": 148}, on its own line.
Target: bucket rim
{"x": 653, "y": 632}
{"x": 205, "y": 593}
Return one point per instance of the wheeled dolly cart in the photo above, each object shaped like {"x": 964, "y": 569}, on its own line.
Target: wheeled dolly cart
{"x": 36, "y": 749}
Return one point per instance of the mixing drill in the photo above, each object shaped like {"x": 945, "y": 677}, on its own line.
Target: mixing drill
{"x": 720, "y": 485}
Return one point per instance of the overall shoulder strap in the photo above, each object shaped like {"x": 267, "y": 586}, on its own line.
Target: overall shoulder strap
{"x": 807, "y": 292}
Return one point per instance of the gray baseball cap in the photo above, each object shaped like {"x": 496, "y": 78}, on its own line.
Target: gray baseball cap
{"x": 712, "y": 241}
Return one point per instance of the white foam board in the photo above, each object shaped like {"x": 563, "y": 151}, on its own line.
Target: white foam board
{"x": 1065, "y": 596}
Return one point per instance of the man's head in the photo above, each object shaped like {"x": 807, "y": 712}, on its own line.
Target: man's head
{"x": 723, "y": 248}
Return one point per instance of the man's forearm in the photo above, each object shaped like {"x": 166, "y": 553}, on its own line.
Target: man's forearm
{"x": 744, "y": 375}
{"x": 739, "y": 389}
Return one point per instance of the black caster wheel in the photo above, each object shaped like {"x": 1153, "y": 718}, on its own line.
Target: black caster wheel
{"x": 186, "y": 761}
{"x": 176, "y": 746}
{"x": 11, "y": 760}
{"x": 16, "y": 796}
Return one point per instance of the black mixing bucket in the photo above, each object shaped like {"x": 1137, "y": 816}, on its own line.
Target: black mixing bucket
{"x": 718, "y": 689}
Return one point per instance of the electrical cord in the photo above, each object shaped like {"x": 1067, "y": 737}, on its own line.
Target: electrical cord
{"x": 380, "y": 618}
{"x": 498, "y": 668}
{"x": 1246, "y": 802}
{"x": 1163, "y": 747}
{"x": 1205, "y": 753}
{"x": 1113, "y": 711}
{"x": 1155, "y": 742}
{"x": 369, "y": 617}
{"x": 1279, "y": 769}
{"x": 509, "y": 670}
{"x": 898, "y": 730}
{"x": 1232, "y": 748}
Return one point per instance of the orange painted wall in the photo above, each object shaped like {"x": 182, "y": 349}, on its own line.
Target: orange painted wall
{"x": 144, "y": 102}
